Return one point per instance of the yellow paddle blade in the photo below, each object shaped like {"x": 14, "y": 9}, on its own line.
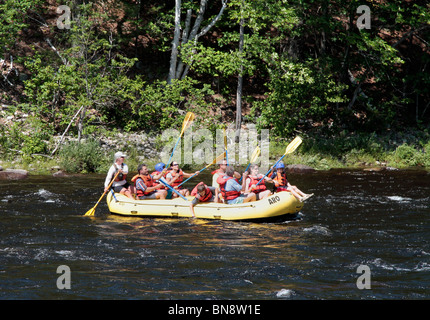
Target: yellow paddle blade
{"x": 218, "y": 159}
{"x": 293, "y": 145}
{"x": 225, "y": 138}
{"x": 90, "y": 212}
{"x": 188, "y": 120}
{"x": 255, "y": 154}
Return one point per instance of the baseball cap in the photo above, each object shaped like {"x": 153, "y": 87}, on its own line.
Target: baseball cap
{"x": 119, "y": 154}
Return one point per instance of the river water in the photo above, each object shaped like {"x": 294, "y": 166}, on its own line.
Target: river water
{"x": 380, "y": 220}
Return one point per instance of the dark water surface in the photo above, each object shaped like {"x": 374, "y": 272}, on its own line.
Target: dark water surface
{"x": 377, "y": 219}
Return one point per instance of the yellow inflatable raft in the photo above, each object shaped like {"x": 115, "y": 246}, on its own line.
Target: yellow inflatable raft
{"x": 281, "y": 205}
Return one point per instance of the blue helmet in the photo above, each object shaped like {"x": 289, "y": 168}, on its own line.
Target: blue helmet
{"x": 159, "y": 166}
{"x": 280, "y": 165}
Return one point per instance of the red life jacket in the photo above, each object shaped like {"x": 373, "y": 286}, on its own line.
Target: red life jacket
{"x": 147, "y": 180}
{"x": 217, "y": 171}
{"x": 258, "y": 188}
{"x": 179, "y": 180}
{"x": 206, "y": 197}
{"x": 227, "y": 195}
{"x": 156, "y": 173}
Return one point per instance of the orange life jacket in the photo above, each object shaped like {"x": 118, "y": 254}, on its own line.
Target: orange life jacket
{"x": 280, "y": 180}
{"x": 206, "y": 197}
{"x": 258, "y": 188}
{"x": 179, "y": 180}
{"x": 147, "y": 180}
{"x": 227, "y": 195}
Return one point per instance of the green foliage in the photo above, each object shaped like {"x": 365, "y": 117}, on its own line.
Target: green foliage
{"x": 407, "y": 156}
{"x": 83, "y": 157}
{"x": 25, "y": 138}
{"x": 158, "y": 105}
{"x": 297, "y": 92}
{"x": 13, "y": 19}
{"x": 306, "y": 68}
{"x": 89, "y": 75}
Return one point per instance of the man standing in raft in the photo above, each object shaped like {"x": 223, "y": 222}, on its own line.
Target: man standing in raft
{"x": 120, "y": 185}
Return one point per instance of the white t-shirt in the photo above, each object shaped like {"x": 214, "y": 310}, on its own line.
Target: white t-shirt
{"x": 214, "y": 178}
{"x": 111, "y": 173}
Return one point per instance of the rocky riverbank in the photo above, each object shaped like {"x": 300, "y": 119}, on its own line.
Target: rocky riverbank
{"x": 25, "y": 146}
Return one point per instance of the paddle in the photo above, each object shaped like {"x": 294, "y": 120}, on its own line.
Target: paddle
{"x": 290, "y": 149}
{"x": 225, "y": 145}
{"x": 171, "y": 188}
{"x": 93, "y": 209}
{"x": 217, "y": 159}
{"x": 254, "y": 157}
{"x": 188, "y": 120}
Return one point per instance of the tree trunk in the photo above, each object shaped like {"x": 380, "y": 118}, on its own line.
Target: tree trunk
{"x": 239, "y": 85}
{"x": 175, "y": 43}
{"x": 81, "y": 124}
{"x": 178, "y": 70}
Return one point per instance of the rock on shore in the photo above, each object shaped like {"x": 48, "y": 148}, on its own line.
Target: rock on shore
{"x": 13, "y": 174}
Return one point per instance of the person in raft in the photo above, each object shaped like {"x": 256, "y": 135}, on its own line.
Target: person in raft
{"x": 120, "y": 185}
{"x": 175, "y": 177}
{"x": 160, "y": 168}
{"x": 258, "y": 188}
{"x": 146, "y": 185}
{"x": 231, "y": 190}
{"x": 219, "y": 172}
{"x": 203, "y": 193}
{"x": 281, "y": 183}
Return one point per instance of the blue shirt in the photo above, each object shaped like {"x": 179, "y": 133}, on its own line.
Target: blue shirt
{"x": 232, "y": 185}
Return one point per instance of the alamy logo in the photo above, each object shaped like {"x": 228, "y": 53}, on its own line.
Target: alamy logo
{"x": 202, "y": 146}
{"x": 64, "y": 281}
{"x": 65, "y": 17}
{"x": 363, "y": 281}
{"x": 363, "y": 21}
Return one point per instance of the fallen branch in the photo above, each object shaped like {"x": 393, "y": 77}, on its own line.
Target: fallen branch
{"x": 41, "y": 155}
{"x": 67, "y": 129}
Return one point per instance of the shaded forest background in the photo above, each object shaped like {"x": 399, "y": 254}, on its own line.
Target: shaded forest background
{"x": 290, "y": 66}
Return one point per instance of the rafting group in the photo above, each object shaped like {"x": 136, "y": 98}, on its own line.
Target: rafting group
{"x": 228, "y": 186}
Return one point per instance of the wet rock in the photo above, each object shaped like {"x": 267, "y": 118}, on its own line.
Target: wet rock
{"x": 13, "y": 174}
{"x": 299, "y": 168}
{"x": 59, "y": 174}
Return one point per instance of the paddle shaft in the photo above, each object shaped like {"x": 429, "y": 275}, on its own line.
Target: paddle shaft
{"x": 254, "y": 157}
{"x": 185, "y": 125}
{"x": 245, "y": 170}
{"x": 191, "y": 177}
{"x": 213, "y": 162}
{"x": 270, "y": 169}
{"x": 171, "y": 156}
{"x": 171, "y": 188}
{"x": 104, "y": 193}
{"x": 290, "y": 148}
